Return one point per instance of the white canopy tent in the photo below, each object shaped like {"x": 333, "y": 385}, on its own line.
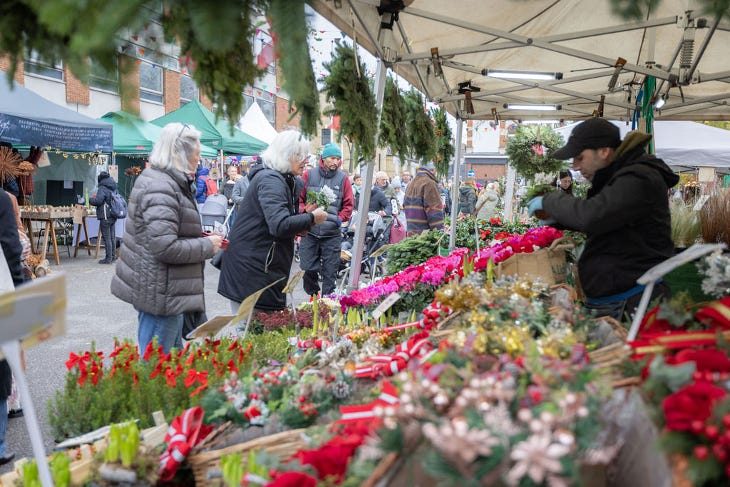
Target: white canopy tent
{"x": 599, "y": 61}
{"x": 683, "y": 144}
{"x": 255, "y": 124}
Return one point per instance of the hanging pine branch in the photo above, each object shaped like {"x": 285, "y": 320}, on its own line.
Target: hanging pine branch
{"x": 421, "y": 144}
{"x": 352, "y": 99}
{"x": 528, "y": 150}
{"x": 393, "y": 131}
{"x": 290, "y": 26}
{"x": 221, "y": 65}
{"x": 444, "y": 145}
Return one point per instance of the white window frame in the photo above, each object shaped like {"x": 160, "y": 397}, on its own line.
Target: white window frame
{"x": 150, "y": 94}
{"x": 184, "y": 100}
{"x": 33, "y": 62}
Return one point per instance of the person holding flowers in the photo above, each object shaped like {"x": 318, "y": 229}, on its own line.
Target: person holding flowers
{"x": 261, "y": 247}
{"x": 320, "y": 248}
{"x": 625, "y": 216}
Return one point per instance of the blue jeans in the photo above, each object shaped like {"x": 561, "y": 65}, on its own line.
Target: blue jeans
{"x": 626, "y": 308}
{"x": 167, "y": 329}
{"x": 3, "y": 424}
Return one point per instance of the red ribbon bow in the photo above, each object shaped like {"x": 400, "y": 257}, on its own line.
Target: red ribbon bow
{"x": 186, "y": 431}
{"x": 416, "y": 346}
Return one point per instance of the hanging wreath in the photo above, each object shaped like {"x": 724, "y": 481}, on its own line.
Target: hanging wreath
{"x": 444, "y": 146}
{"x": 393, "y": 123}
{"x": 349, "y": 90}
{"x": 421, "y": 143}
{"x": 529, "y": 148}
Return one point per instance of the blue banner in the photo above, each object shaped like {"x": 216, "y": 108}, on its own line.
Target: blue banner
{"x": 25, "y": 131}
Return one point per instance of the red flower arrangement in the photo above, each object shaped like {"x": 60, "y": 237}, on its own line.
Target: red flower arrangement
{"x": 690, "y": 404}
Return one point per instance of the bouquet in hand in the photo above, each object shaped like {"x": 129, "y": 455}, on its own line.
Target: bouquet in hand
{"x": 323, "y": 198}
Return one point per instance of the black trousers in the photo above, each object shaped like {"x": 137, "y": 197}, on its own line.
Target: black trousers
{"x": 320, "y": 257}
{"x": 106, "y": 227}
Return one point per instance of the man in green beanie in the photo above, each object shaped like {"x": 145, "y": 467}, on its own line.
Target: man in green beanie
{"x": 319, "y": 251}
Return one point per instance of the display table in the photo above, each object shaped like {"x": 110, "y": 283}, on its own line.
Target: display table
{"x": 50, "y": 219}
{"x": 90, "y": 229}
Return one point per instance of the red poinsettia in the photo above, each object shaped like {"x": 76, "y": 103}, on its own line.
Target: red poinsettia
{"x": 691, "y": 403}
{"x": 710, "y": 360}
{"x": 292, "y": 479}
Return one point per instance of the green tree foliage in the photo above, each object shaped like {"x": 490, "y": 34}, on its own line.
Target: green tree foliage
{"x": 352, "y": 98}
{"x": 214, "y": 37}
{"x": 287, "y": 16}
{"x": 640, "y": 9}
{"x": 528, "y": 150}
{"x": 421, "y": 143}
{"x": 444, "y": 146}
{"x": 393, "y": 131}
{"x": 222, "y": 64}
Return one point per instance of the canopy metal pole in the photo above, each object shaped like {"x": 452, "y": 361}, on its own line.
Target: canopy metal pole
{"x": 367, "y": 185}
{"x": 455, "y": 185}
{"x": 509, "y": 193}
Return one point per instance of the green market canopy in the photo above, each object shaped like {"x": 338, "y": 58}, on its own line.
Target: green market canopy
{"x": 132, "y": 135}
{"x": 216, "y": 134}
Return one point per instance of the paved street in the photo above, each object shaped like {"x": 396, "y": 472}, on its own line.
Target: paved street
{"x": 93, "y": 316}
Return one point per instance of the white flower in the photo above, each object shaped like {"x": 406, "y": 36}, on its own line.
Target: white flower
{"x": 543, "y": 178}
{"x": 537, "y": 458}
{"x": 327, "y": 191}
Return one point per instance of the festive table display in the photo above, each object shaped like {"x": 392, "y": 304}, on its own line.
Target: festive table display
{"x": 442, "y": 373}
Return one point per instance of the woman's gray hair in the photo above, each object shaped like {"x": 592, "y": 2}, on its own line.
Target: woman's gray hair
{"x": 177, "y": 143}
{"x": 286, "y": 145}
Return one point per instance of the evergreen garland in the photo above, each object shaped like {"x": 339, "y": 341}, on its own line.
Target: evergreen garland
{"x": 421, "y": 144}
{"x": 289, "y": 23}
{"x": 393, "y": 132}
{"x": 528, "y": 150}
{"x": 444, "y": 146}
{"x": 353, "y": 100}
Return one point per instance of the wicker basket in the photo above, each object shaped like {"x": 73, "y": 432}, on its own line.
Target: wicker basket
{"x": 284, "y": 444}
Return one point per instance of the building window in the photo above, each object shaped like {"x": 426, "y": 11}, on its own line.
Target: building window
{"x": 247, "y": 102}
{"x": 269, "y": 109}
{"x": 326, "y": 136}
{"x": 102, "y": 79}
{"x": 150, "y": 82}
{"x": 35, "y": 65}
{"x": 188, "y": 90}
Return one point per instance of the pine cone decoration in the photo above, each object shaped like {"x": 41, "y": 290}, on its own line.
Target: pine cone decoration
{"x": 341, "y": 389}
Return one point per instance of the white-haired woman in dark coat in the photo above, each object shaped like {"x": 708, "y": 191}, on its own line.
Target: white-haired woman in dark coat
{"x": 262, "y": 242}
{"x": 160, "y": 269}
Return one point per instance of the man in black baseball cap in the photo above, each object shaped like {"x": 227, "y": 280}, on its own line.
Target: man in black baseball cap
{"x": 625, "y": 215}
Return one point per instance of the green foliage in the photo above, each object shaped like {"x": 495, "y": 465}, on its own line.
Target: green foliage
{"x": 414, "y": 250}
{"x": 349, "y": 90}
{"x": 634, "y": 9}
{"x": 522, "y": 153}
{"x": 130, "y": 388}
{"x": 76, "y": 31}
{"x": 444, "y": 146}
{"x": 223, "y": 65}
{"x": 393, "y": 132}
{"x": 288, "y": 21}
{"x": 421, "y": 142}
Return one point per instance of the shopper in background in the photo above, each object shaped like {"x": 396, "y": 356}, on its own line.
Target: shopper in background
{"x": 102, "y": 199}
{"x": 468, "y": 197}
{"x": 320, "y": 249}
{"x": 160, "y": 270}
{"x": 422, "y": 202}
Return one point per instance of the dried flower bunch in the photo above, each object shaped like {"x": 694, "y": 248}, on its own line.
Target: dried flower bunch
{"x": 9, "y": 162}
